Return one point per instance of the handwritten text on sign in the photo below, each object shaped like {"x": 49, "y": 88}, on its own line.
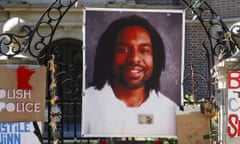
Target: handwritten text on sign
{"x": 234, "y": 103}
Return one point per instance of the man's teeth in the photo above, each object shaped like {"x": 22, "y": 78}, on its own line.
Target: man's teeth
{"x": 134, "y": 71}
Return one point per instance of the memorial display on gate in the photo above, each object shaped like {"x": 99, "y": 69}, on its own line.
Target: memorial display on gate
{"x": 133, "y": 74}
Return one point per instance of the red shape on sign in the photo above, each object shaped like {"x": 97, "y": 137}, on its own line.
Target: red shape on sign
{"x": 23, "y": 77}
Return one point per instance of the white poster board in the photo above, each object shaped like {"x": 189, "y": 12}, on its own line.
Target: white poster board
{"x": 103, "y": 114}
{"x": 233, "y": 119}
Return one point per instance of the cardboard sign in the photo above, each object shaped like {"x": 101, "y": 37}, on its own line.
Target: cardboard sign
{"x": 22, "y": 93}
{"x": 193, "y": 127}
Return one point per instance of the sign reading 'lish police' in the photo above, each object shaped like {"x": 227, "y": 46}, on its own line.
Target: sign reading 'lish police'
{"x": 22, "y": 93}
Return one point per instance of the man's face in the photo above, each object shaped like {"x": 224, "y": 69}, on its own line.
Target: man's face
{"x": 133, "y": 60}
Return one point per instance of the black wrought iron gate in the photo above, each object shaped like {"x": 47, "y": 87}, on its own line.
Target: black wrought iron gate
{"x": 67, "y": 54}
{"x": 68, "y": 77}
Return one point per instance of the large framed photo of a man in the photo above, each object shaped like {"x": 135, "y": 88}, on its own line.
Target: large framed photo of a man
{"x": 133, "y": 72}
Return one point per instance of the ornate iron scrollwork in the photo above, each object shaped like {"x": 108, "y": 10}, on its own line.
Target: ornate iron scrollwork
{"x": 15, "y": 37}
{"x": 13, "y": 43}
{"x": 221, "y": 42}
{"x": 20, "y": 39}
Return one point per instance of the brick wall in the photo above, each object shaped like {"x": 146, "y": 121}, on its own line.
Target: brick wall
{"x": 195, "y": 57}
{"x": 158, "y": 2}
{"x": 195, "y": 35}
{"x": 226, "y": 8}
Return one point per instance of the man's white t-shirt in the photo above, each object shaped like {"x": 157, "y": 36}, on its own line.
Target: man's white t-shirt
{"x": 106, "y": 115}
